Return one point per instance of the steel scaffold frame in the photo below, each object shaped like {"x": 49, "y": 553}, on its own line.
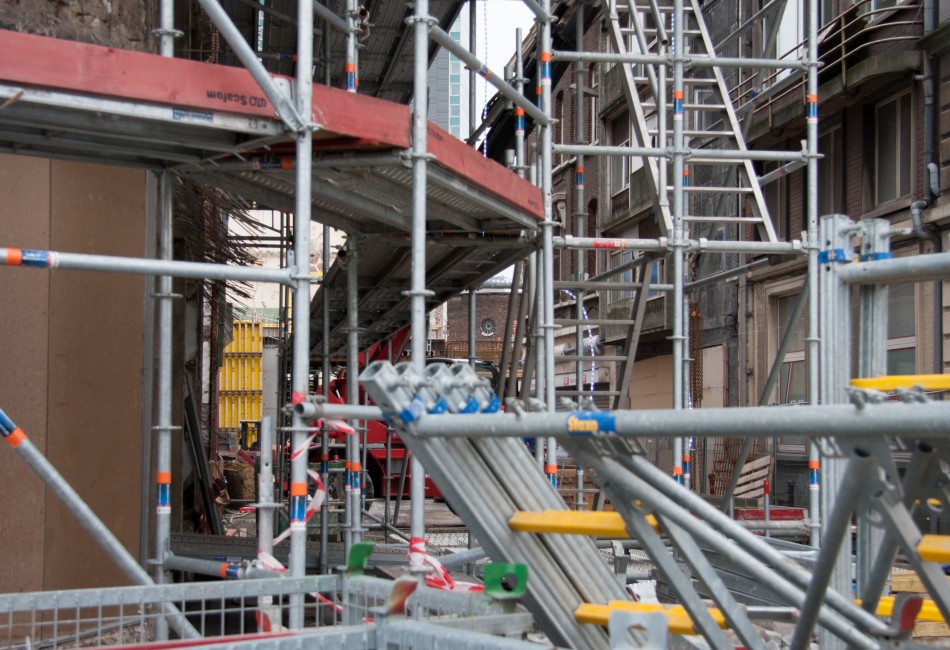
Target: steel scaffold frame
{"x": 856, "y": 429}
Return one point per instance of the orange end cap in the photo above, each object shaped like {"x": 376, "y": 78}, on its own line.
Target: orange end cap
{"x": 16, "y": 437}
{"x": 14, "y": 256}
{"x": 298, "y": 489}
{"x": 163, "y": 478}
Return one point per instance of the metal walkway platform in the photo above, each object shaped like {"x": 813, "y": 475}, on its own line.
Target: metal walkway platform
{"x": 213, "y": 123}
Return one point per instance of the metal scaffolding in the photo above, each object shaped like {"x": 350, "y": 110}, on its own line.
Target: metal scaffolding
{"x": 415, "y": 192}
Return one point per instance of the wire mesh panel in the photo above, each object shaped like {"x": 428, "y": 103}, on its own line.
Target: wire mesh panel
{"x": 125, "y": 615}
{"x": 446, "y": 538}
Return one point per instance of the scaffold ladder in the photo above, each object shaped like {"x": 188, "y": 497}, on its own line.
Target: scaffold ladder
{"x": 710, "y": 121}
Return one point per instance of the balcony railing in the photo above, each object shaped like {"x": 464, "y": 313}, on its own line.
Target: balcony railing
{"x": 860, "y": 31}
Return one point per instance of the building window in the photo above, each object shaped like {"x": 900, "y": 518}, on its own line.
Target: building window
{"x": 707, "y": 119}
{"x": 901, "y": 329}
{"x": 650, "y": 138}
{"x": 892, "y": 148}
{"x": 831, "y": 172}
{"x": 793, "y": 378}
{"x": 487, "y": 327}
{"x": 656, "y": 276}
{"x": 619, "y": 165}
{"x": 620, "y": 258}
{"x": 594, "y": 82}
{"x": 560, "y": 129}
{"x": 591, "y": 260}
{"x": 775, "y": 194}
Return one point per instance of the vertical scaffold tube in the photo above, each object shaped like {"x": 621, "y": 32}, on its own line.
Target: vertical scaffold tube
{"x": 300, "y": 375}
{"x": 472, "y": 327}
{"x": 472, "y": 23}
{"x": 579, "y": 212}
{"x": 417, "y": 293}
{"x": 353, "y": 467}
{"x": 324, "y": 433}
{"x": 519, "y": 111}
{"x": 166, "y": 45}
{"x": 163, "y": 425}
{"x": 547, "y": 275}
{"x": 265, "y": 509}
{"x": 677, "y": 245}
{"x": 265, "y": 505}
{"x": 520, "y": 167}
{"x": 580, "y": 227}
{"x": 325, "y": 352}
{"x": 811, "y": 119}
{"x": 352, "y": 73}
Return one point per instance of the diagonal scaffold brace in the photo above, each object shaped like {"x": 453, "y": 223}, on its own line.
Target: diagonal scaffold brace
{"x": 18, "y": 440}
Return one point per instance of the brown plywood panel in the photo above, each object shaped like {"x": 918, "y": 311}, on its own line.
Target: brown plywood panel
{"x": 95, "y": 370}
{"x": 24, "y": 223}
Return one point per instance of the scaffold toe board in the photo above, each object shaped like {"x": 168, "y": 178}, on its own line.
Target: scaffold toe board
{"x": 73, "y": 100}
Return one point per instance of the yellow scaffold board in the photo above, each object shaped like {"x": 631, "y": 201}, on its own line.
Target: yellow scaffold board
{"x": 929, "y": 611}
{"x": 574, "y": 522}
{"x": 678, "y": 620}
{"x": 934, "y": 548}
{"x": 893, "y": 382}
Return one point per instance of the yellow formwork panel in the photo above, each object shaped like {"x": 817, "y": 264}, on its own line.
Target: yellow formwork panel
{"x": 240, "y": 383}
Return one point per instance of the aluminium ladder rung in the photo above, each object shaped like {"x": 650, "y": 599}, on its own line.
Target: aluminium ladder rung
{"x": 577, "y": 393}
{"x": 715, "y": 219}
{"x": 677, "y": 618}
{"x": 648, "y": 8}
{"x": 589, "y": 357}
{"x": 687, "y": 81}
{"x": 651, "y": 30}
{"x": 719, "y": 162}
{"x": 695, "y": 107}
{"x": 596, "y": 523}
{"x": 593, "y": 321}
{"x": 699, "y": 133}
{"x": 711, "y": 189}
{"x": 934, "y": 548}
{"x": 893, "y": 382}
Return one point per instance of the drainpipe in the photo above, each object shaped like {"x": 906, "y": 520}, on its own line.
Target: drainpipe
{"x": 931, "y": 185}
{"x": 923, "y": 235}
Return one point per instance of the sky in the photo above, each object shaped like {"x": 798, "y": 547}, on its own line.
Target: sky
{"x": 498, "y": 31}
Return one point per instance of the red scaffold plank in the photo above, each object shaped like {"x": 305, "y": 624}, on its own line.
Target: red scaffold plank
{"x": 365, "y": 122}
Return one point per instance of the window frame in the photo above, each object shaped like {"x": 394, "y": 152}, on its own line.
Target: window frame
{"x": 833, "y": 163}
{"x": 624, "y": 162}
{"x": 879, "y": 156}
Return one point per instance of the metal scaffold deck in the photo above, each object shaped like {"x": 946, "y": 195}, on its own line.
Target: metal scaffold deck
{"x": 426, "y": 218}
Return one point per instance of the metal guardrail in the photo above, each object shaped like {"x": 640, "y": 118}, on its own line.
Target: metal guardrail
{"x": 124, "y": 615}
{"x": 842, "y": 43}
{"x": 338, "y": 612}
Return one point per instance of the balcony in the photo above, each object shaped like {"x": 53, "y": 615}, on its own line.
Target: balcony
{"x": 863, "y": 48}
{"x": 656, "y": 318}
